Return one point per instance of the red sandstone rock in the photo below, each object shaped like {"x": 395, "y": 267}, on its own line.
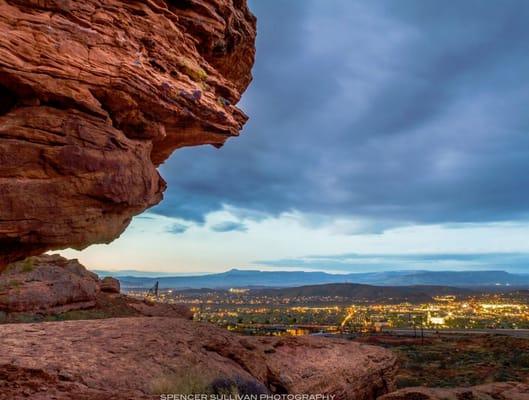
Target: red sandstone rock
{"x": 129, "y": 357}
{"x": 94, "y": 95}
{"x": 110, "y": 285}
{"x": 47, "y": 284}
{"x": 496, "y": 391}
{"x": 41, "y": 286}
{"x": 163, "y": 310}
{"x": 97, "y": 358}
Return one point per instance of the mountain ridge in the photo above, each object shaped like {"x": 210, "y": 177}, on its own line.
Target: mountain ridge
{"x": 256, "y": 278}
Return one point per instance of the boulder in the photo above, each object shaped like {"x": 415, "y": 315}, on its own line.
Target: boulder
{"x": 47, "y": 284}
{"x": 109, "y": 285}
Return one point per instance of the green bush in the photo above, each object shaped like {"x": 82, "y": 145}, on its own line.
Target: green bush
{"x": 521, "y": 360}
{"x": 27, "y": 265}
{"x": 407, "y": 381}
{"x": 426, "y": 356}
{"x": 503, "y": 375}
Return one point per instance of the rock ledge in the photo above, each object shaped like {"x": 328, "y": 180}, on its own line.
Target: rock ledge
{"x": 126, "y": 358}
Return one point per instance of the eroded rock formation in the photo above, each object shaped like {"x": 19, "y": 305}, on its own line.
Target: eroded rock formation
{"x": 47, "y": 284}
{"x": 94, "y": 95}
{"x": 102, "y": 359}
{"x": 110, "y": 285}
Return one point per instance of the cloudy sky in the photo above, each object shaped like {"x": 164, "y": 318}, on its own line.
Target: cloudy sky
{"x": 382, "y": 135}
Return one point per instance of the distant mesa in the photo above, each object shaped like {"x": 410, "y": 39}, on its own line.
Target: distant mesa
{"x": 491, "y": 280}
{"x": 95, "y": 96}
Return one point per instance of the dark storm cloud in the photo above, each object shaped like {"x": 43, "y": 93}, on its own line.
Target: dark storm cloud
{"x": 409, "y": 112}
{"x": 229, "y": 226}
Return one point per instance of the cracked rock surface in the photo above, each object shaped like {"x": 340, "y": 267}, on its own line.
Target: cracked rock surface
{"x": 129, "y": 358}
{"x": 94, "y": 95}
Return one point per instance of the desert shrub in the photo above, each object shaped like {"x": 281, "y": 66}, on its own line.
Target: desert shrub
{"x": 191, "y": 381}
{"x": 23, "y": 266}
{"x": 521, "y": 360}
{"x": 194, "y": 381}
{"x": 11, "y": 284}
{"x": 503, "y": 375}
{"x": 237, "y": 385}
{"x": 223, "y": 387}
{"x": 426, "y": 356}
{"x": 27, "y": 265}
{"x": 407, "y": 381}
{"x": 25, "y": 318}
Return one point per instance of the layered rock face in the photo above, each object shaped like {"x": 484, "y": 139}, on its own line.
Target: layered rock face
{"x": 110, "y": 285}
{"x": 47, "y": 284}
{"x": 94, "y": 95}
{"x": 128, "y": 358}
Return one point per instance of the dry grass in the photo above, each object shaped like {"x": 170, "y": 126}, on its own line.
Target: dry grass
{"x": 194, "y": 381}
{"x": 187, "y": 382}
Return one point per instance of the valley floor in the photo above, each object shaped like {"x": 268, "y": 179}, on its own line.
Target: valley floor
{"x": 457, "y": 360}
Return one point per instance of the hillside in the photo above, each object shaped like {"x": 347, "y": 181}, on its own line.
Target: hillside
{"x": 360, "y": 292}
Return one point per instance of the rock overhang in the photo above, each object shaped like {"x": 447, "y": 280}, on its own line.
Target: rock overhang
{"x": 95, "y": 95}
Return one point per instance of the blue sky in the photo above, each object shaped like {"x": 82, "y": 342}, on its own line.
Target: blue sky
{"x": 376, "y": 128}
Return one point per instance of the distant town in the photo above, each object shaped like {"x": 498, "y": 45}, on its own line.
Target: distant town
{"x": 277, "y": 312}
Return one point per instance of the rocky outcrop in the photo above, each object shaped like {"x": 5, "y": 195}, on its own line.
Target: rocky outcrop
{"x": 94, "y": 95}
{"x": 496, "y": 391}
{"x": 50, "y": 285}
{"x": 307, "y": 364}
{"x": 47, "y": 284}
{"x": 153, "y": 309}
{"x": 110, "y": 285}
{"x": 97, "y": 358}
{"x": 135, "y": 357}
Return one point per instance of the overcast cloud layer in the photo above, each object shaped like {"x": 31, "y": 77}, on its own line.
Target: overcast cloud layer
{"x": 400, "y": 112}
{"x": 513, "y": 262}
{"x": 382, "y": 135}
